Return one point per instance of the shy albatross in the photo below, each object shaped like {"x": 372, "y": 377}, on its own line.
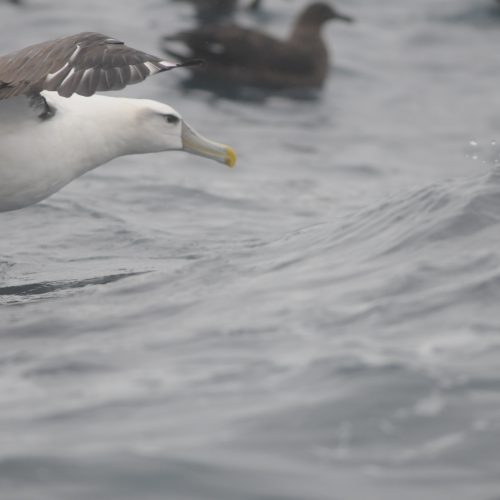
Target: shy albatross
{"x": 242, "y": 56}
{"x": 53, "y": 128}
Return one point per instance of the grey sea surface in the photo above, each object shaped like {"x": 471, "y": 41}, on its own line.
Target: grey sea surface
{"x": 321, "y": 323}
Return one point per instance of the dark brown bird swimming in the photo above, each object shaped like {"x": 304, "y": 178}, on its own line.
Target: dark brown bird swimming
{"x": 240, "y": 56}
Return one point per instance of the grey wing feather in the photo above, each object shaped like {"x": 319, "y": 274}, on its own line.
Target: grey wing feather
{"x": 81, "y": 64}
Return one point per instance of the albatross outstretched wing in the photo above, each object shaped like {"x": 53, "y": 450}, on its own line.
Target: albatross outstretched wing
{"x": 81, "y": 64}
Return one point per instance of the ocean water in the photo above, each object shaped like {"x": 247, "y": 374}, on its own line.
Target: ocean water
{"x": 321, "y": 323}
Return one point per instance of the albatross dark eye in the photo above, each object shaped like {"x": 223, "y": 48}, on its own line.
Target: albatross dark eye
{"x": 172, "y": 119}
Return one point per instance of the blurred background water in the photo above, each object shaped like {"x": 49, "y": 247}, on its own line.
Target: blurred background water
{"x": 320, "y": 323}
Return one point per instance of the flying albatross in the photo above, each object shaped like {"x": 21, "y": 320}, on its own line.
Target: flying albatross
{"x": 54, "y": 129}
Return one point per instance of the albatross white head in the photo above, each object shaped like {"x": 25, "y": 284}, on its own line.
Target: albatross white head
{"x": 162, "y": 128}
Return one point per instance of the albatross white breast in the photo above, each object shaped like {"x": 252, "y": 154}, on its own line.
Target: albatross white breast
{"x": 53, "y": 128}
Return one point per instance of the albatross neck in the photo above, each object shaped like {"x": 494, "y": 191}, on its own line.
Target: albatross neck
{"x": 100, "y": 127}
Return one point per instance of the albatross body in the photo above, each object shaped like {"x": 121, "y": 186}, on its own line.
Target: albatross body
{"x": 54, "y": 129}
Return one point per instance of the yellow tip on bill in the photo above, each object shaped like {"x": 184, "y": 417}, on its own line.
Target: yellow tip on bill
{"x": 230, "y": 157}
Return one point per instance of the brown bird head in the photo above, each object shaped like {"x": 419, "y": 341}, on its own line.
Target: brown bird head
{"x": 319, "y": 12}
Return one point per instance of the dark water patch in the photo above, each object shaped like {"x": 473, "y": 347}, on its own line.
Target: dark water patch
{"x": 51, "y": 287}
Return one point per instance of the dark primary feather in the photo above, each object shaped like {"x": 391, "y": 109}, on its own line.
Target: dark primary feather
{"x": 82, "y": 64}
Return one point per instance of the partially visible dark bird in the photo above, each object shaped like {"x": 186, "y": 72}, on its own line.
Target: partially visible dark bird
{"x": 214, "y": 10}
{"x": 240, "y": 56}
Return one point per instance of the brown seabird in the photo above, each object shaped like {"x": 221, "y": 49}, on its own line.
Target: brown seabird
{"x": 52, "y": 131}
{"x": 242, "y": 56}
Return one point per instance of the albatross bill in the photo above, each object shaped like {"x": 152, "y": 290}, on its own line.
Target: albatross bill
{"x": 54, "y": 128}
{"x": 195, "y": 143}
